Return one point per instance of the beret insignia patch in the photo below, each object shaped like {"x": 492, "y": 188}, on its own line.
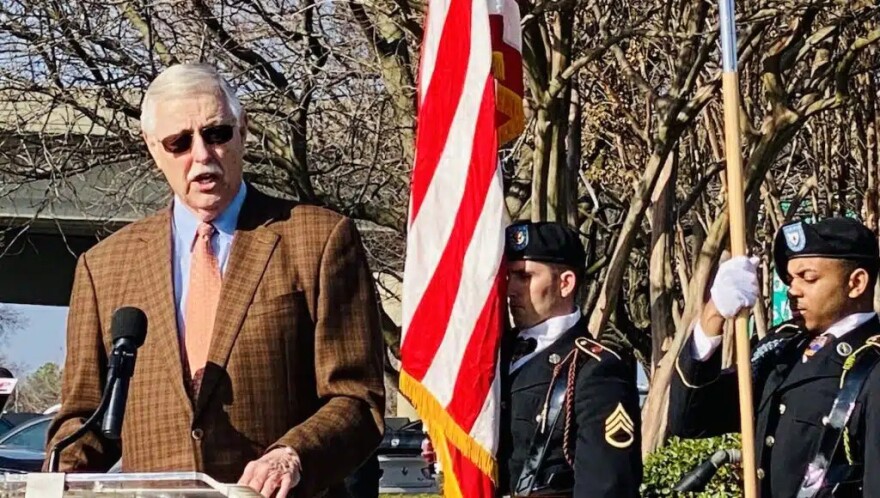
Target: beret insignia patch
{"x": 795, "y": 238}
{"x": 519, "y": 237}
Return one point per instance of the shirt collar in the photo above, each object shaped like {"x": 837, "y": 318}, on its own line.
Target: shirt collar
{"x": 848, "y": 324}
{"x": 550, "y": 329}
{"x": 185, "y": 222}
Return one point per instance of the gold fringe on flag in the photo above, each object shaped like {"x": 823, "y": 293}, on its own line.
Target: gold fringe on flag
{"x": 511, "y": 105}
{"x": 441, "y": 425}
{"x": 451, "y": 488}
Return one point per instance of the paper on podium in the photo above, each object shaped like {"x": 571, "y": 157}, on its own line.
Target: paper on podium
{"x": 146, "y": 485}
{"x": 44, "y": 486}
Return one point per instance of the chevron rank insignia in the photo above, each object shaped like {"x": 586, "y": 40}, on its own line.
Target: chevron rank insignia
{"x": 619, "y": 428}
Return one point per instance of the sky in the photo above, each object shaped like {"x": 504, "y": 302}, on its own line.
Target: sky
{"x": 40, "y": 339}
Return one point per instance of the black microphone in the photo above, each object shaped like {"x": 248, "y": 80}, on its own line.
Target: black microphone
{"x": 7, "y": 386}
{"x": 128, "y": 329}
{"x": 697, "y": 479}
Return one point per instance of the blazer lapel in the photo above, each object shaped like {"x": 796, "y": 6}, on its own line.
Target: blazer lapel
{"x": 155, "y": 273}
{"x": 252, "y": 246}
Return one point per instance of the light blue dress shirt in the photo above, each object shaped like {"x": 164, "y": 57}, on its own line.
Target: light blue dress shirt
{"x": 183, "y": 229}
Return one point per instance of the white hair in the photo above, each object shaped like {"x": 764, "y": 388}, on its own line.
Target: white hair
{"x": 185, "y": 80}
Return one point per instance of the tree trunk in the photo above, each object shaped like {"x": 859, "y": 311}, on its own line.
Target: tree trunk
{"x": 541, "y": 164}
{"x": 557, "y": 171}
{"x": 629, "y": 230}
{"x": 660, "y": 266}
{"x": 573, "y": 158}
{"x": 655, "y": 411}
{"x": 866, "y": 127}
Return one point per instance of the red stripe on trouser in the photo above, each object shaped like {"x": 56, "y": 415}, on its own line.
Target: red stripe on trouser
{"x": 471, "y": 480}
{"x": 431, "y": 316}
{"x": 441, "y": 99}
{"x": 474, "y": 382}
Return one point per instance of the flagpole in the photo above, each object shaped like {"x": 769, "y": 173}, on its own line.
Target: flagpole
{"x": 736, "y": 210}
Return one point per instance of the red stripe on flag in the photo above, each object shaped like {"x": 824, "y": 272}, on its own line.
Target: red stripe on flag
{"x": 479, "y": 359}
{"x": 431, "y": 316}
{"x": 442, "y": 99}
{"x": 471, "y": 481}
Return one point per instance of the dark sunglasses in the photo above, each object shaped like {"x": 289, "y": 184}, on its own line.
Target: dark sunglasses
{"x": 212, "y": 135}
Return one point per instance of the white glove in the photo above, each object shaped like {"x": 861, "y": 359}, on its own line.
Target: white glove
{"x": 736, "y": 285}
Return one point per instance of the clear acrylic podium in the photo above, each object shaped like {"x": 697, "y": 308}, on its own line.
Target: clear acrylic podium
{"x": 154, "y": 485}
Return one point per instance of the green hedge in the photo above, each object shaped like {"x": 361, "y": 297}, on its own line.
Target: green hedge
{"x": 666, "y": 466}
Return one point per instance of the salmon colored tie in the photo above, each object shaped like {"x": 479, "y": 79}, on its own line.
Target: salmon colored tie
{"x": 201, "y": 302}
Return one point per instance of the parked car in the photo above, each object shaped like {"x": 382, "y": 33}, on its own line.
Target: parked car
{"x": 20, "y": 460}
{"x": 22, "y": 449}
{"x": 399, "y": 453}
{"x": 402, "y": 438}
{"x": 10, "y": 420}
{"x": 29, "y": 435}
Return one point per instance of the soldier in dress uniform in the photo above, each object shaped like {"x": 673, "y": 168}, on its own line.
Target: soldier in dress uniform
{"x": 816, "y": 391}
{"x": 570, "y": 408}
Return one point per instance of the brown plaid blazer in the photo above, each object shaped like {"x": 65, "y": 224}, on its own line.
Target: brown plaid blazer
{"x": 295, "y": 359}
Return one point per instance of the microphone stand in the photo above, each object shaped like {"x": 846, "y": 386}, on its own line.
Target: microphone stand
{"x": 697, "y": 479}
{"x": 70, "y": 439}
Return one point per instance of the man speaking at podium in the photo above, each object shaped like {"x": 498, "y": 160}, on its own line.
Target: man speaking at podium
{"x": 263, "y": 358}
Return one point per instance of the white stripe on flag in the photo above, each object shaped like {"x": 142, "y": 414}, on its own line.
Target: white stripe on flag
{"x": 481, "y": 264}
{"x": 485, "y": 429}
{"x": 430, "y": 231}
{"x": 512, "y": 30}
{"x": 431, "y": 42}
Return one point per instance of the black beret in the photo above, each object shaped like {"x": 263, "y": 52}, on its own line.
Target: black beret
{"x": 835, "y": 238}
{"x": 545, "y": 241}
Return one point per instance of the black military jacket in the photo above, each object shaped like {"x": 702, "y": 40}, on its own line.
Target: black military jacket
{"x": 792, "y": 398}
{"x": 605, "y": 440}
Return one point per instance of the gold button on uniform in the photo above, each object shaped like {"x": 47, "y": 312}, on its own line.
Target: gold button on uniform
{"x": 760, "y": 473}
{"x": 198, "y": 434}
{"x": 770, "y": 441}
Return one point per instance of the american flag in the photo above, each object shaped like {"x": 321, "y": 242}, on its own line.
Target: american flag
{"x": 470, "y": 100}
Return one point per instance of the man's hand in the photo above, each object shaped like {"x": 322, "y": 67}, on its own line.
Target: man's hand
{"x": 278, "y": 470}
{"x": 735, "y": 288}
